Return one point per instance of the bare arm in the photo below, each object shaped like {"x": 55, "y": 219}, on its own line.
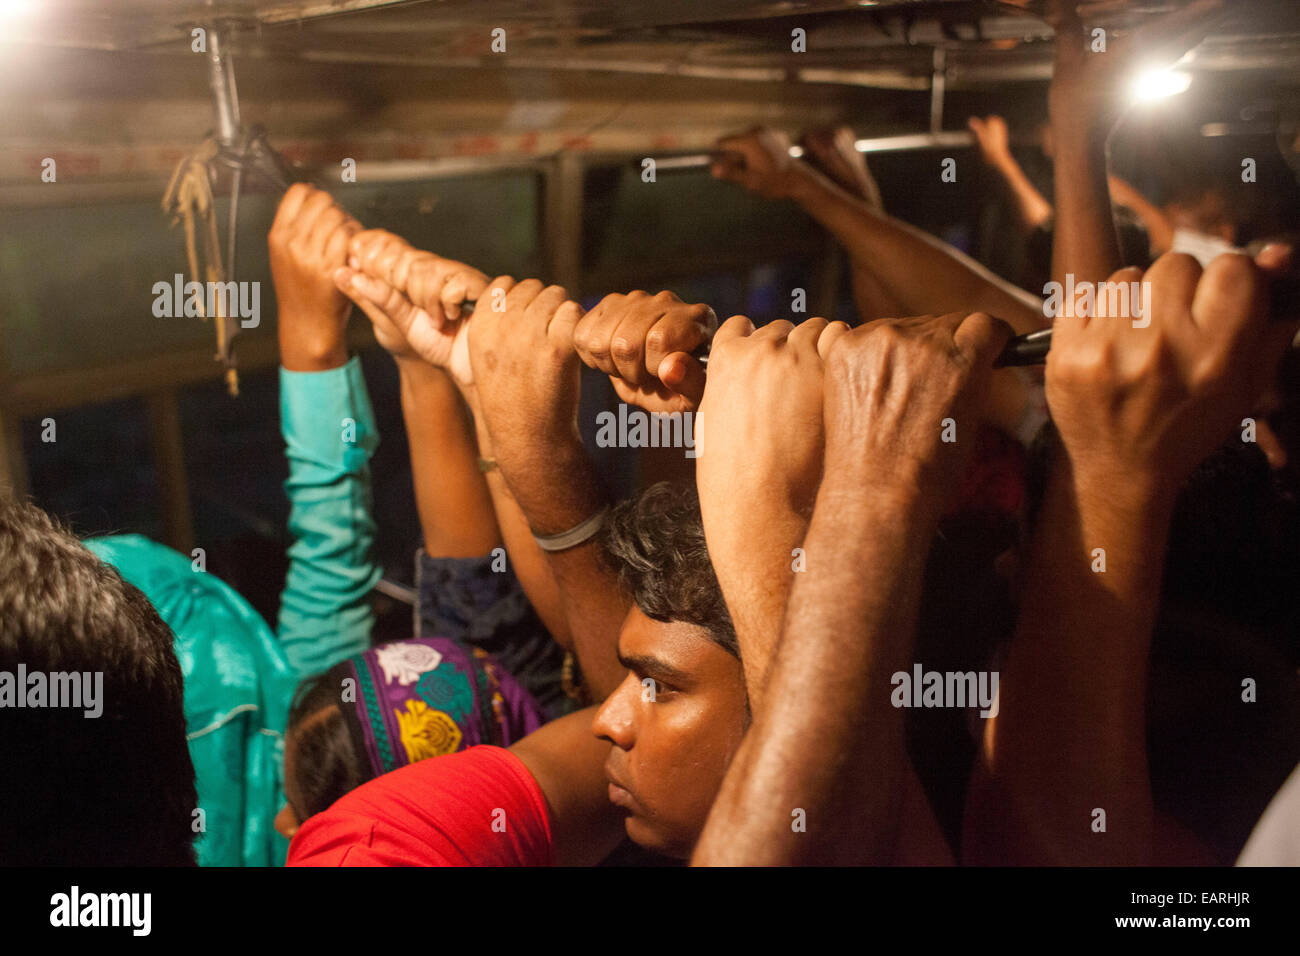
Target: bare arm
{"x": 526, "y": 376}
{"x": 922, "y": 273}
{"x": 1085, "y": 242}
{"x": 1072, "y": 708}
{"x": 463, "y": 511}
{"x": 1137, "y": 410}
{"x": 456, "y": 513}
{"x": 559, "y": 490}
{"x": 837, "y": 756}
{"x": 760, "y": 442}
{"x": 1160, "y": 231}
{"x": 529, "y": 561}
{"x": 909, "y": 268}
{"x": 842, "y": 637}
{"x": 1032, "y": 208}
{"x": 833, "y": 151}
{"x": 1087, "y": 97}
{"x": 568, "y": 762}
{"x": 379, "y": 259}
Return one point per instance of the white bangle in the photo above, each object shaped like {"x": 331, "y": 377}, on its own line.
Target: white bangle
{"x": 574, "y": 536}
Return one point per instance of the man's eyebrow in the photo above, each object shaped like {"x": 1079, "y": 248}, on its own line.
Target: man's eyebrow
{"x": 649, "y": 664}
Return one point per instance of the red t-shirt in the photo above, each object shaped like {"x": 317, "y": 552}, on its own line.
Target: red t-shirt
{"x": 478, "y": 807}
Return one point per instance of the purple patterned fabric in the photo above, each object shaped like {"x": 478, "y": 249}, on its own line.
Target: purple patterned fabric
{"x": 431, "y": 696}
{"x": 475, "y": 601}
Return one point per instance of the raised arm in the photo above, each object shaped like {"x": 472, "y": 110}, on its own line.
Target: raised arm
{"x": 827, "y": 742}
{"x": 912, "y": 269}
{"x": 760, "y": 442}
{"x": 329, "y": 434}
{"x": 527, "y": 419}
{"x": 834, "y": 152}
{"x": 452, "y": 497}
{"x": 1090, "y": 87}
{"x": 526, "y": 374}
{"x": 431, "y": 345}
{"x": 1160, "y": 231}
{"x": 1137, "y": 408}
{"x": 993, "y": 140}
{"x": 923, "y": 274}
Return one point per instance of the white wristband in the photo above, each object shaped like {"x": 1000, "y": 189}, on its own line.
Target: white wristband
{"x": 575, "y": 535}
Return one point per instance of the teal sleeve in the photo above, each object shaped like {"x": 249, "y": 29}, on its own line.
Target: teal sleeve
{"x": 329, "y": 434}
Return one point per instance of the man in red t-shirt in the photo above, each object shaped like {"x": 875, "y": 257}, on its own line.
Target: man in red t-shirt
{"x": 655, "y": 753}
{"x": 537, "y": 803}
{"x": 563, "y": 794}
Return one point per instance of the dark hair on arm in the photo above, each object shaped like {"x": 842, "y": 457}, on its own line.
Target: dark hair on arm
{"x": 112, "y": 790}
{"x": 655, "y": 542}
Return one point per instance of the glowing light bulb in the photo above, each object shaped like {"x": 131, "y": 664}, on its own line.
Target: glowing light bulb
{"x": 1159, "y": 84}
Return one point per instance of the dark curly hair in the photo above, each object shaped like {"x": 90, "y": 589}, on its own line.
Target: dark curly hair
{"x": 114, "y": 790}
{"x": 655, "y": 542}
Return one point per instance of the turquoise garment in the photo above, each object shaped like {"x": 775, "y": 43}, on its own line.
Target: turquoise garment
{"x": 239, "y": 679}
{"x": 329, "y": 433}
{"x": 238, "y": 684}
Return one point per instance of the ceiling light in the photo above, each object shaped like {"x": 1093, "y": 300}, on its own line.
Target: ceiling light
{"x": 1158, "y": 84}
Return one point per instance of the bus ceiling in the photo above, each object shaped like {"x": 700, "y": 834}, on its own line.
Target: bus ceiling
{"x": 887, "y": 44}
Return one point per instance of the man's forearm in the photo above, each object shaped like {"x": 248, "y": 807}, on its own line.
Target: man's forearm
{"x": 530, "y": 564}
{"x": 555, "y": 485}
{"x": 455, "y": 508}
{"x": 835, "y": 755}
{"x": 756, "y": 566}
{"x": 1085, "y": 243}
{"x": 595, "y": 607}
{"x": 872, "y": 296}
{"x": 1070, "y": 734}
{"x": 916, "y": 274}
{"x": 923, "y": 273}
{"x": 1032, "y": 208}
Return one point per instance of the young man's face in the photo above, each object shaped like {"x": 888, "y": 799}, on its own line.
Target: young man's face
{"x": 675, "y": 722}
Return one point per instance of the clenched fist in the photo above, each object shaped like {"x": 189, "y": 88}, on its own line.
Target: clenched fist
{"x": 1146, "y": 405}
{"x": 414, "y": 299}
{"x": 643, "y": 343}
{"x": 308, "y": 241}
{"x": 904, "y": 398}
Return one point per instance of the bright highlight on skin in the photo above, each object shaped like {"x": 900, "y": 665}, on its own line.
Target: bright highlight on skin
{"x": 12, "y": 9}
{"x": 1159, "y": 84}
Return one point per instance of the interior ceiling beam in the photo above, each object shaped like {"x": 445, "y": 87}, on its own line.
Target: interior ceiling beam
{"x": 886, "y": 44}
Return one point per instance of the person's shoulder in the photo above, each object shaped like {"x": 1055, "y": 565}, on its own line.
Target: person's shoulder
{"x": 478, "y": 807}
